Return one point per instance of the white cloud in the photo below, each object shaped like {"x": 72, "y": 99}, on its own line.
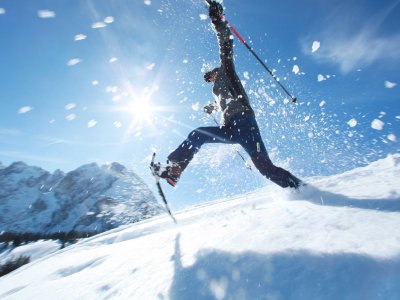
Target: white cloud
{"x": 45, "y": 13}
{"x": 353, "y": 41}
{"x": 74, "y": 61}
{"x": 79, "y": 37}
{"x": 25, "y": 109}
{"x": 315, "y": 46}
{"x": 389, "y": 84}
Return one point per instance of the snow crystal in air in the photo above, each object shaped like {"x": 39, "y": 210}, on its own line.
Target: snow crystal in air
{"x": 150, "y": 66}
{"x": 2, "y": 11}
{"x": 111, "y": 89}
{"x": 25, "y": 109}
{"x": 196, "y": 106}
{"x": 321, "y": 77}
{"x": 315, "y": 46}
{"x": 352, "y": 122}
{"x": 113, "y": 59}
{"x": 98, "y": 25}
{"x": 46, "y": 14}
{"x": 117, "y": 124}
{"x": 74, "y": 61}
{"x": 70, "y": 106}
{"x": 92, "y": 123}
{"x": 389, "y": 84}
{"x": 79, "y": 37}
{"x": 306, "y": 118}
{"x": 246, "y": 75}
{"x": 147, "y": 2}
{"x": 322, "y": 103}
{"x": 296, "y": 69}
{"x": 52, "y": 121}
{"x": 392, "y": 137}
{"x": 71, "y": 117}
{"x": 95, "y": 82}
{"x": 185, "y": 61}
{"x": 109, "y": 20}
{"x": 377, "y": 124}
{"x": 203, "y": 17}
{"x": 310, "y": 135}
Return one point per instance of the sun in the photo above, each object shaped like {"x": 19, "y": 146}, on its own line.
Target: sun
{"x": 141, "y": 109}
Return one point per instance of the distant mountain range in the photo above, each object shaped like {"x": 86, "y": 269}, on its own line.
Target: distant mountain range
{"x": 92, "y": 197}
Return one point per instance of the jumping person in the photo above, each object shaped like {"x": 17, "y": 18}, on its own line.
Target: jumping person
{"x": 239, "y": 123}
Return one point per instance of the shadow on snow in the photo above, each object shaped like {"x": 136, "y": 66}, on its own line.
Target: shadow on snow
{"x": 291, "y": 275}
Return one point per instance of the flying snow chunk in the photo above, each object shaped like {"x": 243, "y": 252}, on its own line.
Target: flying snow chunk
{"x": 147, "y": 2}
{"x": 377, "y": 124}
{"x": 322, "y": 103}
{"x": 196, "y": 106}
{"x": 97, "y": 25}
{"x": 203, "y": 17}
{"x": 185, "y": 61}
{"x": 296, "y": 69}
{"x": 2, "y": 11}
{"x": 79, "y": 37}
{"x": 91, "y": 123}
{"x": 321, "y": 77}
{"x": 117, "y": 124}
{"x": 392, "y": 137}
{"x": 45, "y": 14}
{"x": 246, "y": 75}
{"x": 390, "y": 85}
{"x": 113, "y": 59}
{"x": 352, "y": 122}
{"x": 109, "y": 20}
{"x": 25, "y": 109}
{"x": 315, "y": 46}
{"x": 74, "y": 61}
{"x": 71, "y": 117}
{"x": 150, "y": 66}
{"x": 70, "y": 106}
{"x": 95, "y": 82}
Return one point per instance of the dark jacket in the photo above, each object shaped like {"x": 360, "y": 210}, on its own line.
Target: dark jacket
{"x": 228, "y": 89}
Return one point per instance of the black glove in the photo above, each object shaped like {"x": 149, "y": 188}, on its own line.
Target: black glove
{"x": 210, "y": 108}
{"x": 215, "y": 11}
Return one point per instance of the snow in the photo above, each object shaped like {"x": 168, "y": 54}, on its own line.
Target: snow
{"x": 377, "y": 124}
{"x": 389, "y": 84}
{"x": 336, "y": 239}
{"x": 25, "y": 109}
{"x": 97, "y": 25}
{"x": 315, "y": 46}
{"x": 71, "y": 117}
{"x": 2, "y": 11}
{"x": 109, "y": 20}
{"x": 34, "y": 250}
{"x": 70, "y": 106}
{"x": 296, "y": 69}
{"x": 321, "y": 77}
{"x": 45, "y": 14}
{"x": 352, "y": 123}
{"x": 74, "y": 61}
{"x": 80, "y": 37}
{"x": 92, "y": 123}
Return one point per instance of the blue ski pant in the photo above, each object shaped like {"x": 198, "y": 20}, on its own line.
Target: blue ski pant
{"x": 243, "y": 130}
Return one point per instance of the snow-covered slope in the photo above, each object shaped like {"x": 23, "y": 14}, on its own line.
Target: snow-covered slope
{"x": 89, "y": 198}
{"x": 339, "y": 239}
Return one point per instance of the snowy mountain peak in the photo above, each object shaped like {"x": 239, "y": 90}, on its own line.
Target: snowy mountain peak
{"x": 91, "y": 197}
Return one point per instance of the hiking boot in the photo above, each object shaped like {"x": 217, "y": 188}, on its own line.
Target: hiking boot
{"x": 169, "y": 171}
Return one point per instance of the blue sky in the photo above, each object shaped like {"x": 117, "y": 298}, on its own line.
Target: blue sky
{"x": 107, "y": 81}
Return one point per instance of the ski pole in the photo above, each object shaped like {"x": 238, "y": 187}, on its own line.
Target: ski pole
{"x": 237, "y": 151}
{"x": 241, "y": 39}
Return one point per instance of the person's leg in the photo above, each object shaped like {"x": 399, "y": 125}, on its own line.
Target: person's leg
{"x": 198, "y": 137}
{"x": 250, "y": 140}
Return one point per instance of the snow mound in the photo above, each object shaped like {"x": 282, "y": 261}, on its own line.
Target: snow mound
{"x": 268, "y": 244}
